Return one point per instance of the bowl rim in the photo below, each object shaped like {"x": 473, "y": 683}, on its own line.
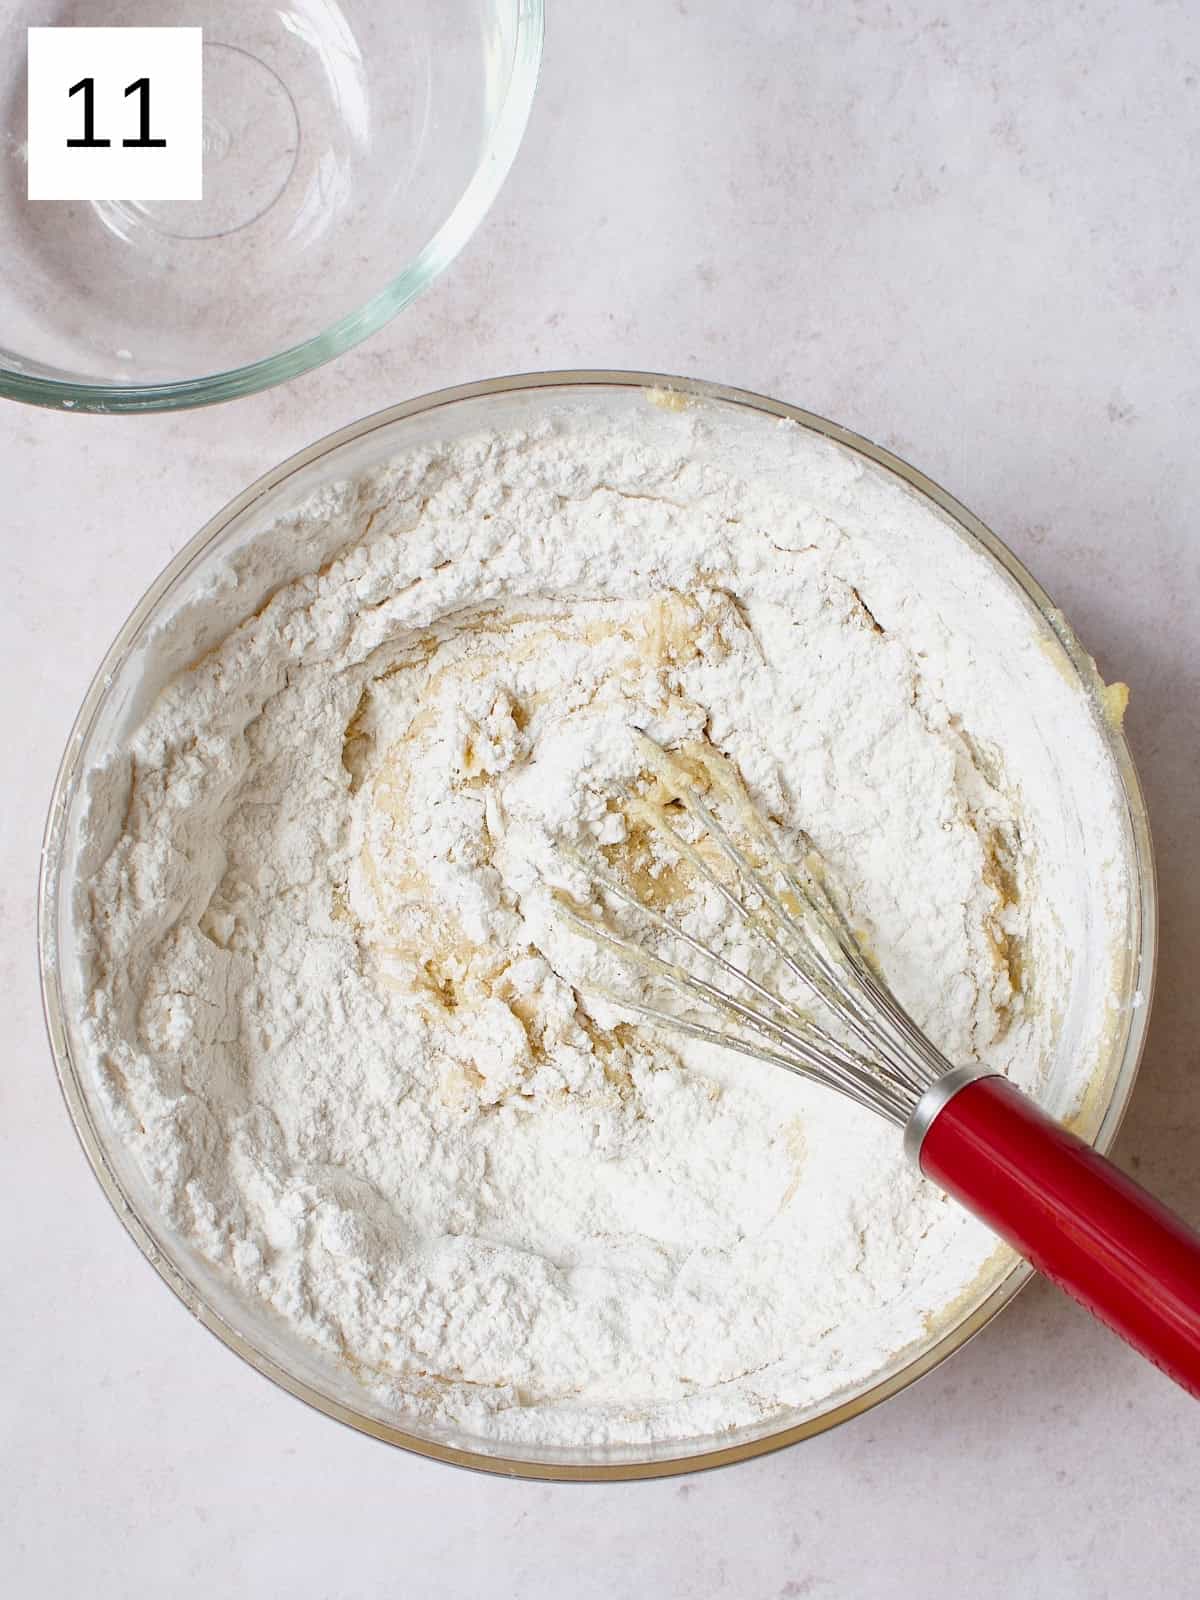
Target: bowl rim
{"x": 494, "y": 164}
{"x": 1144, "y": 935}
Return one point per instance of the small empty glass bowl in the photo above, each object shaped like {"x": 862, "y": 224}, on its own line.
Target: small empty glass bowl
{"x": 351, "y": 148}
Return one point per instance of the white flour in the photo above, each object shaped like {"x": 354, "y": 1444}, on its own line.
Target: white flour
{"x": 332, "y": 1010}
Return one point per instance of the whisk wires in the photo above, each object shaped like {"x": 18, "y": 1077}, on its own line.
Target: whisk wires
{"x": 789, "y": 911}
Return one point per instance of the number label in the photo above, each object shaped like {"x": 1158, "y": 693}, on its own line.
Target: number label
{"x": 115, "y": 114}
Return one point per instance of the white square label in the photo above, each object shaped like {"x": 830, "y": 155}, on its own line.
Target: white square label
{"x": 115, "y": 114}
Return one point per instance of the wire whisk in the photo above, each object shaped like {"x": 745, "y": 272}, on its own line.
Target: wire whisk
{"x": 788, "y": 909}
{"x": 1075, "y": 1216}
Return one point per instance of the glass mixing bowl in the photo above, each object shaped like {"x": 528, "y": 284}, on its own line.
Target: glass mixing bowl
{"x": 119, "y": 695}
{"x": 351, "y": 148}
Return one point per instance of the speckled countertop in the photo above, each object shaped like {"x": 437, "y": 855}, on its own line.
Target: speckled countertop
{"x": 968, "y": 232}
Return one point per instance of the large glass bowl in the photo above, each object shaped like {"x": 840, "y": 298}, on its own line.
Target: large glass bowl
{"x": 118, "y": 697}
{"x": 351, "y": 148}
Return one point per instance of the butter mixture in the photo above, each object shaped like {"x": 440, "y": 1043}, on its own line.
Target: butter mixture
{"x": 359, "y": 1056}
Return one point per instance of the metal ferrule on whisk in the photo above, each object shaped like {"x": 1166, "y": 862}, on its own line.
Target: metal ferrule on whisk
{"x": 935, "y": 1099}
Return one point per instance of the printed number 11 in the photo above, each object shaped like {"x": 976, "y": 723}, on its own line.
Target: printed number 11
{"x": 140, "y": 87}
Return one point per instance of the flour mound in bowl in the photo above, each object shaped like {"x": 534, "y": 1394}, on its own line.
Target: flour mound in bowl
{"x": 331, "y": 1008}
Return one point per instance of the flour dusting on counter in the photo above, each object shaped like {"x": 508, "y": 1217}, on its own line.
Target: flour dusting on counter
{"x": 332, "y": 1010}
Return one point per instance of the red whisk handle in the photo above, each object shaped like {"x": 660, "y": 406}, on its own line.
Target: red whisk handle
{"x": 1079, "y": 1220}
